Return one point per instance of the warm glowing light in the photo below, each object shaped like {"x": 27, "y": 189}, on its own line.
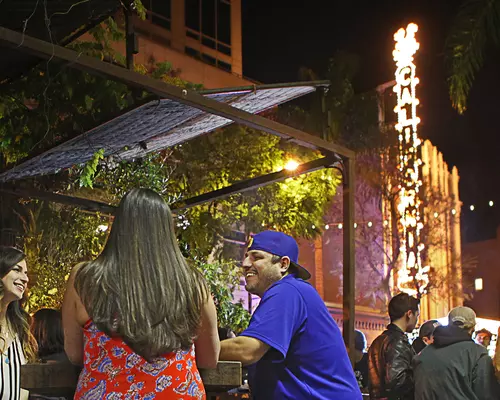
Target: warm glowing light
{"x": 472, "y": 208}
{"x": 491, "y": 203}
{"x": 412, "y": 277}
{"x": 314, "y": 226}
{"x": 478, "y": 284}
{"x": 340, "y": 226}
{"x": 327, "y": 227}
{"x": 386, "y": 222}
{"x": 355, "y": 225}
{"x": 102, "y": 228}
{"x": 291, "y": 165}
{"x": 370, "y": 224}
{"x": 436, "y": 215}
{"x": 453, "y": 211}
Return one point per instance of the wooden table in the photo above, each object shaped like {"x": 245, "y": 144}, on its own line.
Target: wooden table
{"x": 61, "y": 379}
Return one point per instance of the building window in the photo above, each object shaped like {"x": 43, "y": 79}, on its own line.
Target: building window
{"x": 211, "y": 18}
{"x": 224, "y": 22}
{"x": 192, "y": 52}
{"x": 159, "y": 12}
{"x": 207, "y": 59}
{"x": 192, "y": 12}
{"x": 224, "y": 66}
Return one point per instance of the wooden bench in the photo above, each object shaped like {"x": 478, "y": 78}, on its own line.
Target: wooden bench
{"x": 61, "y": 379}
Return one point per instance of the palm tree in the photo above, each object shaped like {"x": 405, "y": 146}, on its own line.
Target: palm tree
{"x": 476, "y": 25}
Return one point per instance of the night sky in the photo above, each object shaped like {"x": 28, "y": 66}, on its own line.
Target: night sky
{"x": 279, "y": 39}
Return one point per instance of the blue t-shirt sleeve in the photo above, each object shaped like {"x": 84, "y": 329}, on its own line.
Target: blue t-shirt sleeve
{"x": 279, "y": 316}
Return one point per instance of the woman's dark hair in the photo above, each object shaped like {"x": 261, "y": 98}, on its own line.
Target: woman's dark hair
{"x": 140, "y": 287}
{"x": 18, "y": 318}
{"x": 48, "y": 332}
{"x": 401, "y": 304}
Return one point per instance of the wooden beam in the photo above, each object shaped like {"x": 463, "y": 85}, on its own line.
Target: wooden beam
{"x": 84, "y": 204}
{"x": 238, "y": 187}
{"x": 188, "y": 97}
{"x": 254, "y": 183}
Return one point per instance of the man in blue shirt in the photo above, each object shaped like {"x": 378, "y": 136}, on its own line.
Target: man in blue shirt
{"x": 293, "y": 345}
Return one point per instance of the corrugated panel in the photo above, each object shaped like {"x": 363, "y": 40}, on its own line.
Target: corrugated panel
{"x": 152, "y": 127}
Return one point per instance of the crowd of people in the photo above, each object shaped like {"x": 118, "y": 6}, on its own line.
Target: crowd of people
{"x": 140, "y": 321}
{"x": 443, "y": 363}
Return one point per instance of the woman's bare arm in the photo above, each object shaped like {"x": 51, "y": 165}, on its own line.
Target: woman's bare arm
{"x": 207, "y": 345}
{"x": 73, "y": 315}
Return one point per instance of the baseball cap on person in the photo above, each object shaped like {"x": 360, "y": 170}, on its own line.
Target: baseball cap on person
{"x": 463, "y": 317}
{"x": 427, "y": 328}
{"x": 281, "y": 245}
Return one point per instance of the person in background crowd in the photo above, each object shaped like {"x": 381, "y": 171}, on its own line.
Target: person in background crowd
{"x": 17, "y": 345}
{"x": 48, "y": 332}
{"x": 294, "y": 344}
{"x": 483, "y": 337}
{"x": 390, "y": 355}
{"x": 425, "y": 335}
{"x": 139, "y": 318}
{"x": 454, "y": 367}
{"x": 360, "y": 359}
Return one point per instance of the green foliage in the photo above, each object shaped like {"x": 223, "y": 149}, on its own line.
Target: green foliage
{"x": 477, "y": 22}
{"x": 56, "y": 239}
{"x": 209, "y": 163}
{"x": 139, "y": 8}
{"x": 90, "y": 169}
{"x": 339, "y": 115}
{"x": 223, "y": 278}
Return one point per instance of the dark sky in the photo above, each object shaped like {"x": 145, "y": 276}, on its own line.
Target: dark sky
{"x": 278, "y": 39}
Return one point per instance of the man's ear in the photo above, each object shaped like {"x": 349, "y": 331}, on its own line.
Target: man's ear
{"x": 284, "y": 264}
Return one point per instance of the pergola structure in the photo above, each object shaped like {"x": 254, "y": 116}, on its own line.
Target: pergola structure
{"x": 196, "y": 113}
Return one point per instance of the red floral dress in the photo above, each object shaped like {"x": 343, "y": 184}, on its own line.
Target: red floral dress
{"x": 113, "y": 371}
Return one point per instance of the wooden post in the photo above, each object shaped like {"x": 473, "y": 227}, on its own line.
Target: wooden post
{"x": 348, "y": 256}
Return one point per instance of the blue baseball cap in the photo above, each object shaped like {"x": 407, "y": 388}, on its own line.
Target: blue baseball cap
{"x": 281, "y": 245}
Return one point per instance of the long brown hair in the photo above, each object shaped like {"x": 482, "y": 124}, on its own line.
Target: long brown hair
{"x": 17, "y": 316}
{"x": 48, "y": 332}
{"x": 140, "y": 287}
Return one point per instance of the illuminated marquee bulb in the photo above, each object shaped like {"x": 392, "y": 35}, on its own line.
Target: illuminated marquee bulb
{"x": 409, "y": 163}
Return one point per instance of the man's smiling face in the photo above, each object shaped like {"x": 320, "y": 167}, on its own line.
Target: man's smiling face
{"x": 260, "y": 271}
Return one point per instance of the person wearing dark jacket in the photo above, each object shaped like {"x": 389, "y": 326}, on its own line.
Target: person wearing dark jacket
{"x": 454, "y": 367}
{"x": 425, "y": 335}
{"x": 390, "y": 355}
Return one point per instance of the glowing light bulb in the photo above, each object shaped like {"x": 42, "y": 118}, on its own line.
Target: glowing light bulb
{"x": 327, "y": 227}
{"x": 472, "y": 208}
{"x": 291, "y": 165}
{"x": 102, "y": 228}
{"x": 340, "y": 226}
{"x": 491, "y": 203}
{"x": 370, "y": 224}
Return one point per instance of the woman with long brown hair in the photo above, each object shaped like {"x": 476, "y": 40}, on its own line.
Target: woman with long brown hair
{"x": 17, "y": 345}
{"x": 140, "y": 318}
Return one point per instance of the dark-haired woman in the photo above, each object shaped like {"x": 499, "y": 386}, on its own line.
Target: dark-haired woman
{"x": 48, "y": 332}
{"x": 17, "y": 345}
{"x": 147, "y": 318}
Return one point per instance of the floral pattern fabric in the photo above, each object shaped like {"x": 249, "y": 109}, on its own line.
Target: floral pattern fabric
{"x": 113, "y": 371}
